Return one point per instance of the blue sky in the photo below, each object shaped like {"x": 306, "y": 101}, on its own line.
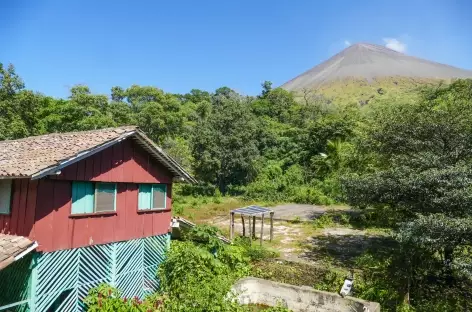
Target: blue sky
{"x": 180, "y": 45}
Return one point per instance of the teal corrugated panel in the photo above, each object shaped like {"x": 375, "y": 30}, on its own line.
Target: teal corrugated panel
{"x": 83, "y": 197}
{"x": 57, "y": 274}
{"x": 145, "y": 196}
{"x": 65, "y": 277}
{"x": 14, "y": 285}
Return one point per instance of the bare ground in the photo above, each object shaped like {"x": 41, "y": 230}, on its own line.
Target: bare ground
{"x": 302, "y": 242}
{"x": 303, "y": 212}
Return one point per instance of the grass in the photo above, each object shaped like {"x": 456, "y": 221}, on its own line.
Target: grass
{"x": 202, "y": 208}
{"x": 297, "y": 240}
{"x": 295, "y": 273}
{"x": 360, "y": 91}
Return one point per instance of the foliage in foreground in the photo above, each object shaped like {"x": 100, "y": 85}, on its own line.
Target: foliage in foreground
{"x": 106, "y": 298}
{"x": 197, "y": 275}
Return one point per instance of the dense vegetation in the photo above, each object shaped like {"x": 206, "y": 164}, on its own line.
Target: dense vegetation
{"x": 196, "y": 277}
{"x": 417, "y": 168}
{"x": 405, "y": 159}
{"x": 264, "y": 146}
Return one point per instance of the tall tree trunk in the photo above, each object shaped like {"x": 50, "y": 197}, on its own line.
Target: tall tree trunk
{"x": 448, "y": 258}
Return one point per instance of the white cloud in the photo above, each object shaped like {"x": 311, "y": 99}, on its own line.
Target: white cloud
{"x": 395, "y": 44}
{"x": 347, "y": 43}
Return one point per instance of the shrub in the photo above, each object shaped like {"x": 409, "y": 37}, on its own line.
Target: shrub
{"x": 105, "y": 298}
{"x": 206, "y": 235}
{"x": 177, "y": 209}
{"x": 331, "y": 281}
{"x": 323, "y": 221}
{"x": 193, "y": 279}
{"x": 278, "y": 308}
{"x": 197, "y": 190}
{"x": 309, "y": 195}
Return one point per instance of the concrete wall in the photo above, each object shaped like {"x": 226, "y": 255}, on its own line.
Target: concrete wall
{"x": 299, "y": 299}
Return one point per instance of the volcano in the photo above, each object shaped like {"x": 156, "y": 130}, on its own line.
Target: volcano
{"x": 372, "y": 62}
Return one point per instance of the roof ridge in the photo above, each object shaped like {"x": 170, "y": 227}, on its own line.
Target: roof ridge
{"x": 68, "y": 133}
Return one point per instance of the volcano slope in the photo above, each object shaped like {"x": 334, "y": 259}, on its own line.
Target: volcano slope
{"x": 365, "y": 72}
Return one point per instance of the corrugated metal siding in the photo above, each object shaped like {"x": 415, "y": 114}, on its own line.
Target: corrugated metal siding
{"x": 131, "y": 266}
{"x": 58, "y": 281}
{"x": 14, "y": 288}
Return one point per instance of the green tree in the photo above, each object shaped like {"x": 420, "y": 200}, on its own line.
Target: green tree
{"x": 277, "y": 103}
{"x": 122, "y": 113}
{"x": 157, "y": 113}
{"x": 423, "y": 174}
{"x": 224, "y": 145}
{"x": 266, "y": 88}
{"x": 82, "y": 111}
{"x": 20, "y": 108}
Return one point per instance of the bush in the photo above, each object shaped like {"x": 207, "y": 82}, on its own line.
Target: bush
{"x": 308, "y": 195}
{"x": 277, "y": 185}
{"x": 331, "y": 281}
{"x": 278, "y": 308}
{"x": 194, "y": 279}
{"x": 105, "y": 298}
{"x": 197, "y": 190}
{"x": 323, "y": 221}
{"x": 205, "y": 235}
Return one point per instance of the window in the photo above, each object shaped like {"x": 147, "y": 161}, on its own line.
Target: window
{"x": 5, "y": 196}
{"x": 105, "y": 194}
{"x": 152, "y": 196}
{"x": 88, "y": 197}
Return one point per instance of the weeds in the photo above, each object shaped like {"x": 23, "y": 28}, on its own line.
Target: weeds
{"x": 325, "y": 220}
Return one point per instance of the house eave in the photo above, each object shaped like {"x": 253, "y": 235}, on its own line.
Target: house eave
{"x": 179, "y": 172}
{"x": 14, "y": 177}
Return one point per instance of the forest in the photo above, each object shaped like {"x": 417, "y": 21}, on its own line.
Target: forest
{"x": 404, "y": 159}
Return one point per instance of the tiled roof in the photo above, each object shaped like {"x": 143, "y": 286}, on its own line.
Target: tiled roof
{"x": 11, "y": 246}
{"x": 28, "y": 156}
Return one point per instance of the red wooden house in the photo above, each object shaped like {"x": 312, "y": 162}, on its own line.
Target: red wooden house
{"x": 95, "y": 206}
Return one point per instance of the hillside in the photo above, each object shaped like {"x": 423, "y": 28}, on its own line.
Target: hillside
{"x": 364, "y": 71}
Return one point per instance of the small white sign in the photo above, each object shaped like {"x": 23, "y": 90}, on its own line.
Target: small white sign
{"x": 174, "y": 223}
{"x": 346, "y": 289}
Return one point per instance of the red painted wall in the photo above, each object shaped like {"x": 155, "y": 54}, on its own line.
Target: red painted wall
{"x": 23, "y": 205}
{"x": 123, "y": 162}
{"x": 41, "y": 208}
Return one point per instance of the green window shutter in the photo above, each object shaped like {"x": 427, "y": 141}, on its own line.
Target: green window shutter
{"x": 159, "y": 196}
{"x": 83, "y": 197}
{"x": 144, "y": 196}
{"x": 5, "y": 196}
{"x": 105, "y": 197}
